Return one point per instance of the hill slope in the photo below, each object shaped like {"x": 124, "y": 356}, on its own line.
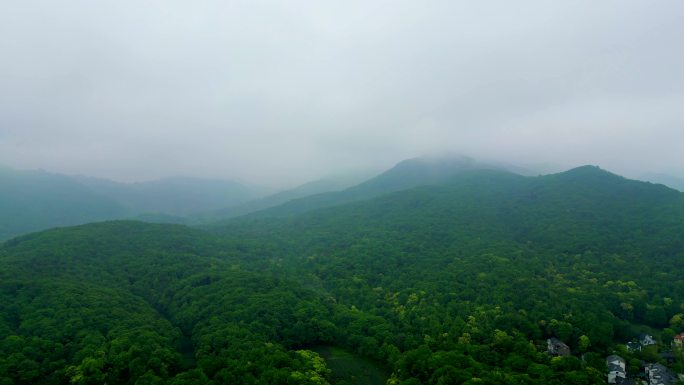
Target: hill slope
{"x": 582, "y": 208}
{"x": 443, "y": 283}
{"x": 132, "y": 303}
{"x": 321, "y": 186}
{"x": 405, "y": 175}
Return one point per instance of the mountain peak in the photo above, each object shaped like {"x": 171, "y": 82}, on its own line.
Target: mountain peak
{"x": 588, "y": 171}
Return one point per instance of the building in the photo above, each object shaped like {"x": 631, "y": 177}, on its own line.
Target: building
{"x": 658, "y": 374}
{"x": 556, "y": 347}
{"x": 678, "y": 341}
{"x": 646, "y": 340}
{"x": 616, "y": 369}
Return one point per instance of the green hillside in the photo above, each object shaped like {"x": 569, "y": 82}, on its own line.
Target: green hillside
{"x": 127, "y": 302}
{"x": 582, "y": 209}
{"x": 458, "y": 282}
{"x": 405, "y": 175}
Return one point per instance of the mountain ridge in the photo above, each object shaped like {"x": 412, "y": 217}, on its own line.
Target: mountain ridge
{"x": 477, "y": 271}
{"x": 404, "y": 175}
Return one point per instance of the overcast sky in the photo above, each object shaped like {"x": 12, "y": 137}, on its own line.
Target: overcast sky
{"x": 279, "y": 92}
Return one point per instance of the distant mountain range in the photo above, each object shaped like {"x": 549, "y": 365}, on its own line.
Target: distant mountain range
{"x": 36, "y": 200}
{"x": 330, "y": 184}
{"x": 177, "y": 196}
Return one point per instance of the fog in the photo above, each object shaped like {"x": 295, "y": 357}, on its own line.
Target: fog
{"x": 281, "y": 92}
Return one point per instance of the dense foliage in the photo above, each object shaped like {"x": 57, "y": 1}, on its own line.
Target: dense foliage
{"x": 456, "y": 283}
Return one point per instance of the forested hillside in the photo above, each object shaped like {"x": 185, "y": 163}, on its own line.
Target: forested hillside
{"x": 127, "y": 302}
{"x": 37, "y": 200}
{"x": 405, "y": 175}
{"x": 458, "y": 282}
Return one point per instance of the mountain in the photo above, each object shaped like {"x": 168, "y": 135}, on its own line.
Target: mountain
{"x": 457, "y": 282}
{"x": 405, "y": 175}
{"x": 325, "y": 185}
{"x": 579, "y": 209}
{"x": 36, "y": 200}
{"x": 177, "y": 196}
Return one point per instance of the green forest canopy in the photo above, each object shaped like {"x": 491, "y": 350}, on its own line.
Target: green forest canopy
{"x": 455, "y": 283}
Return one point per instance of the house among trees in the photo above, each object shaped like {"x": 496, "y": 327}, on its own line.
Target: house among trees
{"x": 556, "y": 347}
{"x": 678, "y": 341}
{"x": 633, "y": 346}
{"x": 646, "y": 340}
{"x": 658, "y": 374}
{"x": 616, "y": 369}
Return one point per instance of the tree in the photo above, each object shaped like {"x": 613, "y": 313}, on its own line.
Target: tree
{"x": 583, "y": 343}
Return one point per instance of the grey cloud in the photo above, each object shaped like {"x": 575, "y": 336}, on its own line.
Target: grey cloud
{"x": 280, "y": 92}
